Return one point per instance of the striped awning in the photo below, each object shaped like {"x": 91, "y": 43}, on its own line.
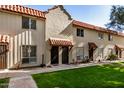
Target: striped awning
{"x": 4, "y": 39}
{"x": 60, "y": 42}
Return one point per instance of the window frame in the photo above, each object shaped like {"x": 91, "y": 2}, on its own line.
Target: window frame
{"x": 110, "y": 37}
{"x": 29, "y": 55}
{"x": 29, "y": 23}
{"x": 80, "y": 32}
{"x": 101, "y": 36}
{"x": 35, "y": 24}
{"x": 111, "y": 50}
{"x": 81, "y": 55}
{"x": 101, "y": 52}
{"x": 23, "y": 23}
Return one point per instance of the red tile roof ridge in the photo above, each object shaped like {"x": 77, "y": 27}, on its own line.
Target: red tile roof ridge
{"x": 23, "y": 10}
{"x": 97, "y": 28}
{"x": 59, "y": 39}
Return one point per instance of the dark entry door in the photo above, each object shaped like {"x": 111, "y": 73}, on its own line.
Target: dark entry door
{"x": 3, "y": 56}
{"x": 91, "y": 54}
{"x": 120, "y": 53}
{"x": 65, "y": 54}
{"x": 54, "y": 55}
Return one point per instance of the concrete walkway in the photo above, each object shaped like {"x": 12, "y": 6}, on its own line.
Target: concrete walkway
{"x": 36, "y": 70}
{"x": 22, "y": 82}
{"x": 22, "y": 78}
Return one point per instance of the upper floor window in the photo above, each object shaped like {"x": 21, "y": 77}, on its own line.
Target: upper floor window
{"x": 80, "y": 32}
{"x": 33, "y": 24}
{"x": 28, "y": 23}
{"x": 25, "y": 22}
{"x": 110, "y": 37}
{"x": 100, "y": 36}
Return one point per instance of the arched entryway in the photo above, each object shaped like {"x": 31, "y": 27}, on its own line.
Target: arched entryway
{"x": 92, "y": 47}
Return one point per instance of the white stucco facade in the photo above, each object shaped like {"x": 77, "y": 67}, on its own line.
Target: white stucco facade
{"x": 57, "y": 24}
{"x": 11, "y": 24}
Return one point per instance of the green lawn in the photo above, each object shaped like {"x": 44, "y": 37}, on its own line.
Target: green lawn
{"x": 104, "y": 76}
{"x": 4, "y": 83}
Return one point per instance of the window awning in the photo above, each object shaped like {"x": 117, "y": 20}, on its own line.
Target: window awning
{"x": 60, "y": 42}
{"x": 4, "y": 39}
{"x": 119, "y": 47}
{"x": 92, "y": 45}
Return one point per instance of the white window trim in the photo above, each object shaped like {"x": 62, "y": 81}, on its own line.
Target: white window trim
{"x": 100, "y": 37}
{"x": 29, "y": 55}
{"x": 80, "y": 32}
{"x": 81, "y": 55}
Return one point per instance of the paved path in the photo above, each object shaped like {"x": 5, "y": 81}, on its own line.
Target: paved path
{"x": 30, "y": 71}
{"x": 22, "y": 78}
{"x": 22, "y": 82}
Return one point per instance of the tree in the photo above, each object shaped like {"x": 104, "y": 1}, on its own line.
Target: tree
{"x": 116, "y": 18}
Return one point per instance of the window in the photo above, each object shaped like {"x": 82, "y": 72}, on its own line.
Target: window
{"x": 80, "y": 53}
{"x": 33, "y": 24}
{"x": 100, "y": 36}
{"x": 100, "y": 52}
{"x": 80, "y": 32}
{"x": 28, "y": 54}
{"x": 25, "y": 22}
{"x": 110, "y": 51}
{"x": 28, "y": 23}
{"x": 110, "y": 37}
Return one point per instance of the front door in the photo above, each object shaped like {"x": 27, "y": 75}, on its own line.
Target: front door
{"x": 54, "y": 55}
{"x": 65, "y": 54}
{"x": 3, "y": 56}
{"x": 120, "y": 53}
{"x": 91, "y": 54}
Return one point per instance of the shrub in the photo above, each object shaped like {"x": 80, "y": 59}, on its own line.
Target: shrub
{"x": 112, "y": 57}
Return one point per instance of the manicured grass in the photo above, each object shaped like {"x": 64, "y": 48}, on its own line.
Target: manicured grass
{"x": 4, "y": 83}
{"x": 103, "y": 76}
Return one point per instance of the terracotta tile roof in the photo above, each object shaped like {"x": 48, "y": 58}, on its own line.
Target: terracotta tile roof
{"x": 60, "y": 42}
{"x": 119, "y": 47}
{"x": 4, "y": 38}
{"x": 97, "y": 28}
{"x": 22, "y": 10}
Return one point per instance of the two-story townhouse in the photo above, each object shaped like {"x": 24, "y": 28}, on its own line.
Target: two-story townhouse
{"x": 29, "y": 37}
{"x": 22, "y": 34}
{"x": 69, "y": 41}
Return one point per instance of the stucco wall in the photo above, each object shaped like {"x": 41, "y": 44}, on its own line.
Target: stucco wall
{"x": 57, "y": 23}
{"x": 92, "y": 36}
{"x": 11, "y": 24}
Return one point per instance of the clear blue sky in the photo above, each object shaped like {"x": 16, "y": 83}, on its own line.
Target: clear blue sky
{"x": 93, "y": 14}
